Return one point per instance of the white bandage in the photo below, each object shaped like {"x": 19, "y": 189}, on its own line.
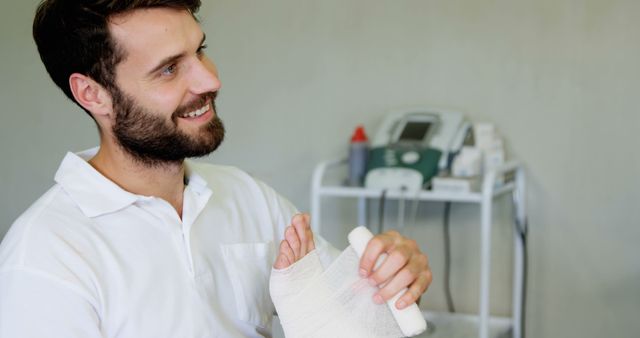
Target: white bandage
{"x": 410, "y": 319}
{"x": 336, "y": 302}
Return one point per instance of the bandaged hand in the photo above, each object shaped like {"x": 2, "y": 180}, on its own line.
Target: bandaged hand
{"x": 317, "y": 302}
{"x": 297, "y": 242}
{"x": 404, "y": 267}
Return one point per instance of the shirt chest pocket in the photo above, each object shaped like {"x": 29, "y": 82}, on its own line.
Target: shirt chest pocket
{"x": 249, "y": 266}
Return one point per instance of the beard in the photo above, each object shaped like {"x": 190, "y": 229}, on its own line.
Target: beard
{"x": 155, "y": 141}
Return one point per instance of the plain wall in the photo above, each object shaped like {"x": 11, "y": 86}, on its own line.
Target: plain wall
{"x": 558, "y": 78}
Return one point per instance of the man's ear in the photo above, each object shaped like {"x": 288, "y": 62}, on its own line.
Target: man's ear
{"x": 91, "y": 95}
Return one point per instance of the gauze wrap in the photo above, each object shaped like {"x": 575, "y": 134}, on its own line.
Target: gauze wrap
{"x": 336, "y": 302}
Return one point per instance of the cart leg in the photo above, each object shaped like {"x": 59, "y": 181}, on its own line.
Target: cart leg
{"x": 485, "y": 266}
{"x": 518, "y": 268}
{"x": 362, "y": 211}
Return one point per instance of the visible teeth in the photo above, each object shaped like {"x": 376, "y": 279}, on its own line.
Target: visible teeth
{"x": 198, "y": 112}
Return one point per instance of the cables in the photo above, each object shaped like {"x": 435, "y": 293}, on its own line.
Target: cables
{"x": 447, "y": 257}
{"x": 383, "y": 199}
{"x": 414, "y": 208}
{"x": 401, "y": 211}
{"x": 447, "y": 240}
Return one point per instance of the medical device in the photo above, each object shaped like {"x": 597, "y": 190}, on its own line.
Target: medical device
{"x": 412, "y": 145}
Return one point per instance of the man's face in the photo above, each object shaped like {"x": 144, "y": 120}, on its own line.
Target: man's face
{"x": 153, "y": 140}
{"x": 166, "y": 87}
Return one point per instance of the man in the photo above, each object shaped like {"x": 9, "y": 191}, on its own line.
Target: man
{"x": 132, "y": 241}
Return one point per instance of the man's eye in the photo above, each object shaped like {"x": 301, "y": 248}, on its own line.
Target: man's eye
{"x": 169, "y": 70}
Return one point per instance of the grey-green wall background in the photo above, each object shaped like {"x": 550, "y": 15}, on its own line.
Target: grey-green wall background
{"x": 559, "y": 78}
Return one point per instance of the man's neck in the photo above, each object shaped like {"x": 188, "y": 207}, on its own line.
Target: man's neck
{"x": 164, "y": 181}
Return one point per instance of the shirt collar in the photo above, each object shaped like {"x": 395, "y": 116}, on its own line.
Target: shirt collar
{"x": 196, "y": 195}
{"x": 96, "y": 195}
{"x": 195, "y": 181}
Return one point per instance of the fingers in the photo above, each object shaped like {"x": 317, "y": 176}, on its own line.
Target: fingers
{"x": 377, "y": 245}
{"x": 299, "y": 238}
{"x": 416, "y": 275}
{"x": 302, "y": 225}
{"x": 395, "y": 261}
{"x": 291, "y": 237}
{"x": 415, "y": 290}
{"x": 285, "y": 257}
{"x": 404, "y": 267}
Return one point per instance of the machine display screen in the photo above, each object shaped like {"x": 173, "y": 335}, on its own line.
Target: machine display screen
{"x": 414, "y": 131}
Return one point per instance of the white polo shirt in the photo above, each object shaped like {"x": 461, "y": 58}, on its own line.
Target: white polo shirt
{"x": 89, "y": 259}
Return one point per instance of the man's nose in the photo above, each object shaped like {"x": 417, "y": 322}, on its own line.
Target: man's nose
{"x": 204, "y": 77}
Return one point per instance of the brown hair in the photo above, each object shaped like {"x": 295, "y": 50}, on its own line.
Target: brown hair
{"x": 73, "y": 37}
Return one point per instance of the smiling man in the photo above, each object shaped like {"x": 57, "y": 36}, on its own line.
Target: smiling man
{"x": 133, "y": 240}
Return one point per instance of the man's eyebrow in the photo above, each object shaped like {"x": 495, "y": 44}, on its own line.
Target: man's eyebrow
{"x": 172, "y": 58}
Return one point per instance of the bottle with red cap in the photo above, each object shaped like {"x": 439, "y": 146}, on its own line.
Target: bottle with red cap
{"x": 358, "y": 155}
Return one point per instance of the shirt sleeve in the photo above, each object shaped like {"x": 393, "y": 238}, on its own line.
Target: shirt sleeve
{"x": 35, "y": 305}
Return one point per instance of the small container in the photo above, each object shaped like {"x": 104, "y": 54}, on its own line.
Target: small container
{"x": 358, "y": 155}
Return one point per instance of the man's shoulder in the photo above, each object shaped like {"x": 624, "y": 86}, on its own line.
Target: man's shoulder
{"x": 209, "y": 170}
{"x": 217, "y": 175}
{"x": 232, "y": 181}
{"x": 38, "y": 226}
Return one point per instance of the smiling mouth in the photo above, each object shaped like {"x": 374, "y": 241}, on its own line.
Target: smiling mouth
{"x": 197, "y": 112}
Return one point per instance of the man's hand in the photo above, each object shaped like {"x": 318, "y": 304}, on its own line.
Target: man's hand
{"x": 405, "y": 267}
{"x": 297, "y": 242}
